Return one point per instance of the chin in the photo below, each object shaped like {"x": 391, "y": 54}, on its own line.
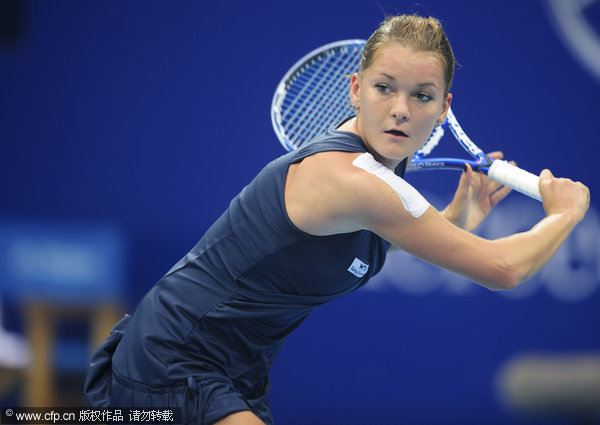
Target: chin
{"x": 395, "y": 154}
{"x": 391, "y": 160}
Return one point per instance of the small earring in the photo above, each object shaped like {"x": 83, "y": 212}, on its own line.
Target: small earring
{"x": 437, "y": 124}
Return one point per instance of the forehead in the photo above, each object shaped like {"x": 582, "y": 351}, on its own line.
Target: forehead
{"x": 395, "y": 59}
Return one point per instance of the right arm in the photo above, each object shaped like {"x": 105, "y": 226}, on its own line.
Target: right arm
{"x": 326, "y": 194}
{"x": 565, "y": 203}
{"x": 497, "y": 264}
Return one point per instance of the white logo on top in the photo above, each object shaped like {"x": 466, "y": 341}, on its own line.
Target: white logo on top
{"x": 358, "y": 268}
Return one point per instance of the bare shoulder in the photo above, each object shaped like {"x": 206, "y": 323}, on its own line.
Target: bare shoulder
{"x": 316, "y": 192}
{"x": 329, "y": 168}
{"x": 337, "y": 192}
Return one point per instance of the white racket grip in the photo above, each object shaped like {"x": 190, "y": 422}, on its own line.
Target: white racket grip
{"x": 516, "y": 178}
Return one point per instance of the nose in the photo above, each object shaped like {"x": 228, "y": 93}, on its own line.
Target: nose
{"x": 400, "y": 110}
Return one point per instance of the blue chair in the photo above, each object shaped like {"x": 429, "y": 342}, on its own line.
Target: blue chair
{"x": 61, "y": 273}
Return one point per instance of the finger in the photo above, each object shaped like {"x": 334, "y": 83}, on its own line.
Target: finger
{"x": 546, "y": 175}
{"x": 496, "y": 155}
{"x": 492, "y": 185}
{"x": 467, "y": 173}
{"x": 465, "y": 177}
{"x": 499, "y": 195}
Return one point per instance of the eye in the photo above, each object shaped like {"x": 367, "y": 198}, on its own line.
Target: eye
{"x": 424, "y": 97}
{"x": 382, "y": 88}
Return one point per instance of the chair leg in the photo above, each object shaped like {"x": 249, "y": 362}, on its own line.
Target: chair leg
{"x": 41, "y": 332}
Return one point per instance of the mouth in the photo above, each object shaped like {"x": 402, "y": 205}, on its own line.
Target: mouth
{"x": 396, "y": 133}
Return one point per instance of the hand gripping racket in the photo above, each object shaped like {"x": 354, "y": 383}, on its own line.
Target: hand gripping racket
{"x": 314, "y": 94}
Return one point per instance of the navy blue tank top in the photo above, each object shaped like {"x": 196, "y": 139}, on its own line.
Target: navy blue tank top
{"x": 227, "y": 306}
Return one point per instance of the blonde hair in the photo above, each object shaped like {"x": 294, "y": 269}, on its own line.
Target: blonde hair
{"x": 416, "y": 32}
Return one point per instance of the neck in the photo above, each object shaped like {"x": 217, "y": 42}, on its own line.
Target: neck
{"x": 351, "y": 126}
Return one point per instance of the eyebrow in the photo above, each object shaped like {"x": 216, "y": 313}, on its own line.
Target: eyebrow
{"x": 421, "y": 85}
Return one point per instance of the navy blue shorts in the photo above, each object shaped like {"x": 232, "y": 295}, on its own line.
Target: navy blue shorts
{"x": 204, "y": 399}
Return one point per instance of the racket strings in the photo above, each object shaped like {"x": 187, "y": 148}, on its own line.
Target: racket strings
{"x": 302, "y": 92}
{"x": 315, "y": 94}
{"x": 332, "y": 94}
{"x": 316, "y": 99}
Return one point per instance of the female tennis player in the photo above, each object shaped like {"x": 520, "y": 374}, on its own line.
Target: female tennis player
{"x": 314, "y": 225}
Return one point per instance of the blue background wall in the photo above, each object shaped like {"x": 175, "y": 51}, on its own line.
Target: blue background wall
{"x": 152, "y": 115}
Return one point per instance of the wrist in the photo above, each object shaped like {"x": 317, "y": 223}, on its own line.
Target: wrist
{"x": 453, "y": 217}
{"x": 568, "y": 218}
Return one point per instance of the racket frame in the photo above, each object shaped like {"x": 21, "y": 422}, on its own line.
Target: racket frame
{"x": 288, "y": 79}
{"x": 499, "y": 170}
{"x": 420, "y": 162}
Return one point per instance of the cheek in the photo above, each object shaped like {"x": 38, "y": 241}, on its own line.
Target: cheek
{"x": 372, "y": 108}
{"x": 427, "y": 123}
{"x": 425, "y": 130}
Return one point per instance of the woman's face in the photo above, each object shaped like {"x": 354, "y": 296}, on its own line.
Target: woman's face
{"x": 400, "y": 97}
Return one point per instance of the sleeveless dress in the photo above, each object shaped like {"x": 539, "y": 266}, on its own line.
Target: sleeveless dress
{"x": 206, "y": 335}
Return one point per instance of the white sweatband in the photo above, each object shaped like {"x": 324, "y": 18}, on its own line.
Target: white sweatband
{"x": 412, "y": 200}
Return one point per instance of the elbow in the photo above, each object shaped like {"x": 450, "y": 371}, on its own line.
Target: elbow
{"x": 505, "y": 282}
{"x": 505, "y": 277}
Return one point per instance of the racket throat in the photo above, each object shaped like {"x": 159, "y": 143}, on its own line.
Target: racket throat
{"x": 483, "y": 167}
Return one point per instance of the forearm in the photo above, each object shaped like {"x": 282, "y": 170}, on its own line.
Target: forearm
{"x": 506, "y": 262}
{"x": 526, "y": 253}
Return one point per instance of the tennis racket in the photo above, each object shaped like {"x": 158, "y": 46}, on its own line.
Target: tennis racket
{"x": 314, "y": 95}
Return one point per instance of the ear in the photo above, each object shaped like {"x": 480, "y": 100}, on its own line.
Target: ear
{"x": 445, "y": 108}
{"x": 355, "y": 90}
